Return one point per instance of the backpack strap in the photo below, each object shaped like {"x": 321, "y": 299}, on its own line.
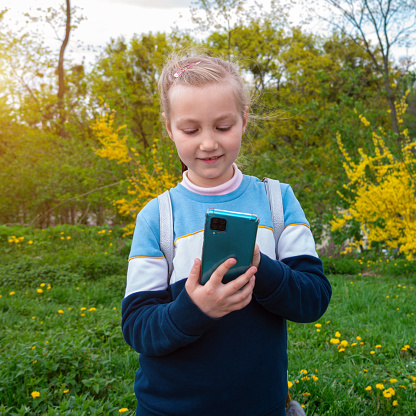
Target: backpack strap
{"x": 166, "y": 230}
{"x": 274, "y": 193}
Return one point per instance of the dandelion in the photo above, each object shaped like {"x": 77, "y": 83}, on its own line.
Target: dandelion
{"x": 303, "y": 372}
{"x": 35, "y": 394}
{"x": 358, "y": 338}
{"x": 92, "y": 309}
{"x": 344, "y": 343}
{"x": 389, "y": 393}
{"x": 68, "y": 238}
{"x": 60, "y": 311}
{"x": 30, "y": 242}
{"x": 123, "y": 410}
{"x": 378, "y": 346}
{"x": 306, "y": 394}
{"x": 393, "y": 380}
{"x": 318, "y": 325}
{"x": 337, "y": 335}
{"x": 315, "y": 378}
{"x": 395, "y": 403}
{"x": 12, "y": 293}
{"x": 372, "y": 352}
{"x": 34, "y": 347}
{"x": 368, "y": 388}
{"x": 83, "y": 309}
{"x": 380, "y": 386}
{"x": 341, "y": 350}
{"x": 289, "y": 384}
{"x": 334, "y": 341}
{"x": 39, "y": 290}
{"x": 42, "y": 285}
{"x": 66, "y": 391}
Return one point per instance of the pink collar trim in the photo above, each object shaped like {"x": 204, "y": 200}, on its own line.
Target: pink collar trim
{"x": 222, "y": 189}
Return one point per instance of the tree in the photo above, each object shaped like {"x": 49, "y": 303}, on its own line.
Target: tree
{"x": 392, "y": 22}
{"x": 125, "y": 77}
{"x": 380, "y": 194}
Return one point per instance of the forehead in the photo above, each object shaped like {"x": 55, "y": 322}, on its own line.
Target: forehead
{"x": 196, "y": 102}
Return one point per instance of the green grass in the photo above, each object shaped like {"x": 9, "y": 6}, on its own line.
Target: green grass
{"x": 65, "y": 341}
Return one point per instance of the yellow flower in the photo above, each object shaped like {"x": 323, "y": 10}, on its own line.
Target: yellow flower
{"x": 341, "y": 350}
{"x": 372, "y": 352}
{"x": 389, "y": 392}
{"x": 39, "y": 290}
{"x": 368, "y": 388}
{"x": 318, "y": 325}
{"x": 60, "y": 311}
{"x": 380, "y": 386}
{"x": 306, "y": 394}
{"x": 30, "y": 242}
{"x": 334, "y": 341}
{"x": 358, "y": 338}
{"x": 12, "y": 293}
{"x": 314, "y": 378}
{"x": 68, "y": 238}
{"x": 42, "y": 285}
{"x": 34, "y": 347}
{"x": 344, "y": 343}
{"x": 83, "y": 309}
{"x": 66, "y": 391}
{"x": 378, "y": 346}
{"x": 289, "y": 384}
{"x": 123, "y": 410}
{"x": 92, "y": 309}
{"x": 303, "y": 372}
{"x": 337, "y": 335}
{"x": 35, "y": 394}
{"x": 395, "y": 403}
{"x": 393, "y": 380}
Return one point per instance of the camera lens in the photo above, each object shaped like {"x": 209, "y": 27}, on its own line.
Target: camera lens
{"x": 218, "y": 224}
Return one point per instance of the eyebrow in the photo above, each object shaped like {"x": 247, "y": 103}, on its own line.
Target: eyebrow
{"x": 220, "y": 118}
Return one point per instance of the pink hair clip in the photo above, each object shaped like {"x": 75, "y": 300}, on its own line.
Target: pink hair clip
{"x": 182, "y": 70}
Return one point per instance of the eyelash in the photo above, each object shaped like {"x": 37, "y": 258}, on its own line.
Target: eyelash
{"x": 221, "y": 129}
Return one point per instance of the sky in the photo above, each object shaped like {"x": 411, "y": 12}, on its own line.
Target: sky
{"x": 107, "y": 19}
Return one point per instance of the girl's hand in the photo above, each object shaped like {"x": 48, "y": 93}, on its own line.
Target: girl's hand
{"x": 216, "y": 299}
{"x": 256, "y": 257}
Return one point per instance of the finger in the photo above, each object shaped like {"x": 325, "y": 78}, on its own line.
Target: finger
{"x": 194, "y": 275}
{"x": 256, "y": 256}
{"x": 242, "y": 280}
{"x": 217, "y": 276}
{"x": 242, "y": 297}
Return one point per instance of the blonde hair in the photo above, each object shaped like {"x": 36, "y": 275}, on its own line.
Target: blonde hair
{"x": 209, "y": 70}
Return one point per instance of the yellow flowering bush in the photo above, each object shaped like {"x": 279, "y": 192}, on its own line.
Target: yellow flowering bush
{"x": 380, "y": 193}
{"x": 149, "y": 171}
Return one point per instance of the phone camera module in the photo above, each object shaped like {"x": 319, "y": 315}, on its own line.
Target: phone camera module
{"x": 218, "y": 224}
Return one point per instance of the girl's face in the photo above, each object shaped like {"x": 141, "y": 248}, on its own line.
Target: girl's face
{"x": 206, "y": 126}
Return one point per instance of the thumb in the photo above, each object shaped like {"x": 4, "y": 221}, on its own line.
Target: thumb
{"x": 194, "y": 275}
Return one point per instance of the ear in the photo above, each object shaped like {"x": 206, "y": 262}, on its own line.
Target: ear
{"x": 167, "y": 126}
{"x": 245, "y": 118}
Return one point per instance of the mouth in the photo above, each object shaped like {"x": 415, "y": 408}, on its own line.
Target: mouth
{"x": 210, "y": 160}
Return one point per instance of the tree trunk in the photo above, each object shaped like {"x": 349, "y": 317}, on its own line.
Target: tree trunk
{"x": 61, "y": 75}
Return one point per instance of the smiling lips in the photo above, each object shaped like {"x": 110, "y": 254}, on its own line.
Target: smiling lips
{"x": 210, "y": 160}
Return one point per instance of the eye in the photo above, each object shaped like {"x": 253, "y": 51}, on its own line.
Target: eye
{"x": 224, "y": 128}
{"x": 189, "y": 131}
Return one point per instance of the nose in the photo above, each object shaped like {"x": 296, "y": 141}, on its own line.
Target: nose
{"x": 208, "y": 142}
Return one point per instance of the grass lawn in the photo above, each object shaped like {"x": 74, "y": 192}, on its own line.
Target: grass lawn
{"x": 62, "y": 351}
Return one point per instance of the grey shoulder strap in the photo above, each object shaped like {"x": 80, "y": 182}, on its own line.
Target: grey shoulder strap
{"x": 166, "y": 229}
{"x": 274, "y": 194}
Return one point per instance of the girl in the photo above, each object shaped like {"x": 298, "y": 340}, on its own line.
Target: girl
{"x": 215, "y": 349}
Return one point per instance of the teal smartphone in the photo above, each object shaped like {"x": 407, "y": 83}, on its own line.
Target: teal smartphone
{"x": 228, "y": 234}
